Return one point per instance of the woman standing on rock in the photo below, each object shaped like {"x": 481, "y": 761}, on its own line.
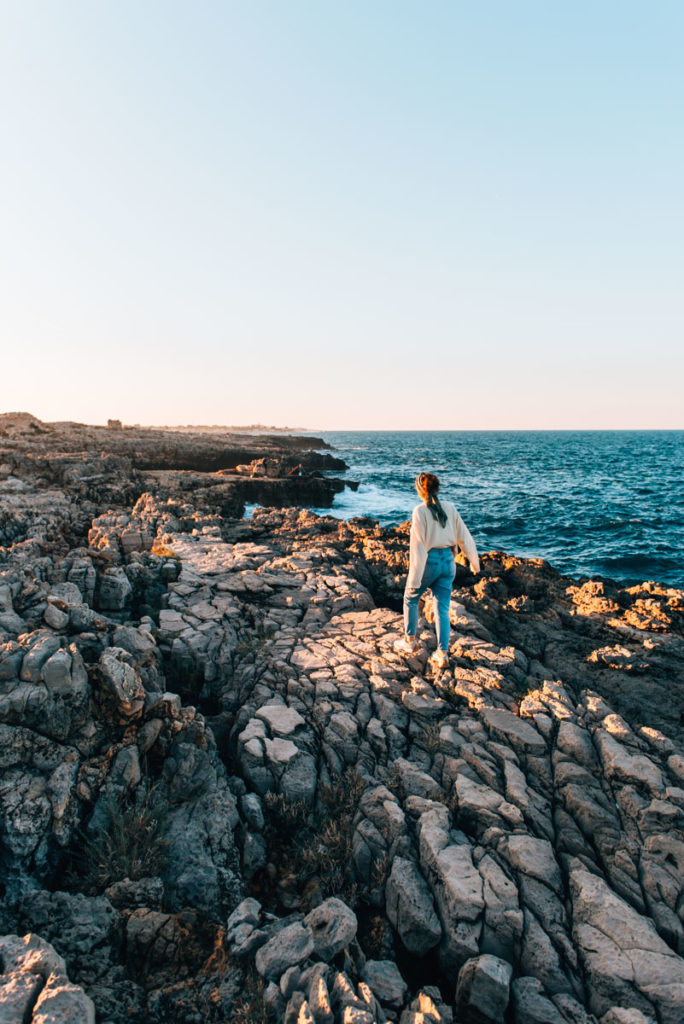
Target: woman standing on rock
{"x": 437, "y": 531}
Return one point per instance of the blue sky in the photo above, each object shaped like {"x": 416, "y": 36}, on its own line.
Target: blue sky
{"x": 343, "y": 215}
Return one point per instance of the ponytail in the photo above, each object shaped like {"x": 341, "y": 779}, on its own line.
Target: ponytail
{"x": 427, "y": 486}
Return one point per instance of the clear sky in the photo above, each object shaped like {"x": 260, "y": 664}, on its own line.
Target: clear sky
{"x": 351, "y": 214}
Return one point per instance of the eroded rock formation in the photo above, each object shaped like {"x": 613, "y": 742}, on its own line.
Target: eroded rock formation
{"x": 225, "y": 797}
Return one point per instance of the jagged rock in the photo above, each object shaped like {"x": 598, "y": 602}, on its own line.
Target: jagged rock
{"x": 37, "y": 805}
{"x": 128, "y": 895}
{"x": 482, "y": 990}
{"x": 625, "y": 959}
{"x": 532, "y": 1006}
{"x": 34, "y": 985}
{"x": 281, "y": 720}
{"x": 252, "y": 811}
{"x": 623, "y": 1015}
{"x": 510, "y": 729}
{"x": 122, "y": 683}
{"x": 254, "y": 854}
{"x": 243, "y": 934}
{"x": 427, "y": 1008}
{"x": 115, "y": 590}
{"x": 386, "y": 982}
{"x": 534, "y": 857}
{"x": 624, "y": 766}
{"x": 410, "y": 907}
{"x": 457, "y": 886}
{"x": 482, "y": 805}
{"x": 503, "y": 918}
{"x": 539, "y": 958}
{"x": 470, "y": 818}
{"x": 319, "y": 998}
{"x": 201, "y": 863}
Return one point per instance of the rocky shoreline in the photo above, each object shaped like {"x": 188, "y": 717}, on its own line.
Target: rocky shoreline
{"x": 224, "y": 797}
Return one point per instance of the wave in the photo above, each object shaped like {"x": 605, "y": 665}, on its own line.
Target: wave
{"x": 602, "y": 502}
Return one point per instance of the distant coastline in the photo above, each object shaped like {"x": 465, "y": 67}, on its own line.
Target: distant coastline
{"x": 252, "y": 428}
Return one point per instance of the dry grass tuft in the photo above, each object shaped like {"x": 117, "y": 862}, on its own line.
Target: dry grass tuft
{"x": 312, "y": 850}
{"x": 252, "y": 1008}
{"x": 132, "y": 846}
{"x": 163, "y": 550}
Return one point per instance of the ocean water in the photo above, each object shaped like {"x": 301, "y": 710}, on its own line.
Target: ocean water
{"x": 592, "y": 503}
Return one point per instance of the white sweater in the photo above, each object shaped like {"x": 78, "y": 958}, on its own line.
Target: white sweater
{"x": 426, "y": 533}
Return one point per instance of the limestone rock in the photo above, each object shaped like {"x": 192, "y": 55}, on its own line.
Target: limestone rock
{"x": 34, "y": 985}
{"x": 626, "y": 961}
{"x": 386, "y": 982}
{"x": 482, "y": 991}
{"x": 532, "y": 1006}
{"x": 122, "y": 683}
{"x": 333, "y": 926}
{"x": 288, "y": 947}
{"x": 410, "y": 907}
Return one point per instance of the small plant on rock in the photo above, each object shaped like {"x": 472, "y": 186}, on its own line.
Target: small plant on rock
{"x": 131, "y": 846}
{"x": 252, "y": 1008}
{"x": 163, "y": 550}
{"x": 254, "y": 642}
{"x": 380, "y": 871}
{"x": 313, "y": 849}
{"x": 431, "y": 738}
{"x": 287, "y": 815}
{"x": 341, "y": 797}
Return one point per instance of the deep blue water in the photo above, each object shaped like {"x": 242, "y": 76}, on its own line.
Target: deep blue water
{"x": 608, "y": 503}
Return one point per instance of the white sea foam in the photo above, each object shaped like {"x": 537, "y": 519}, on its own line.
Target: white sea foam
{"x": 370, "y": 500}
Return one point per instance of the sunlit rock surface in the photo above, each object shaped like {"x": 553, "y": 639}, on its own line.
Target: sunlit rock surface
{"x": 225, "y": 797}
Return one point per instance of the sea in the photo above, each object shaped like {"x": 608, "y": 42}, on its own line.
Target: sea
{"x": 592, "y": 503}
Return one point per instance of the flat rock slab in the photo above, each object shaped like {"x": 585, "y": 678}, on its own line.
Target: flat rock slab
{"x": 534, "y": 857}
{"x": 280, "y": 719}
{"x": 516, "y": 731}
{"x": 624, "y": 957}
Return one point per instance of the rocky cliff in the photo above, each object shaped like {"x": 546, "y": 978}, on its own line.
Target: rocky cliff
{"x": 224, "y": 797}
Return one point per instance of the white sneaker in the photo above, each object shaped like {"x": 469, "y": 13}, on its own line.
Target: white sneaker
{"x": 406, "y": 645}
{"x": 439, "y": 660}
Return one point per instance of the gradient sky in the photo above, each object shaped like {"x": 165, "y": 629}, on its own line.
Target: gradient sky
{"x": 359, "y": 214}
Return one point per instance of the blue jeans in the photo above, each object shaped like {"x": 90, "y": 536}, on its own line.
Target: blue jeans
{"x": 438, "y": 576}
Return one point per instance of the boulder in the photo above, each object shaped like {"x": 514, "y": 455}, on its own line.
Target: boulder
{"x": 121, "y": 683}
{"x": 482, "y": 990}
{"x": 386, "y": 982}
{"x": 34, "y": 985}
{"x": 288, "y": 947}
{"x": 410, "y": 907}
{"x": 333, "y": 926}
{"x": 532, "y": 1005}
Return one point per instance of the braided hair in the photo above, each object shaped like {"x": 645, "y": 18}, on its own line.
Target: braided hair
{"x": 427, "y": 486}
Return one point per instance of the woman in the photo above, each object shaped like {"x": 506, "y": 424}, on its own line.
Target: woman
{"x": 437, "y": 531}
